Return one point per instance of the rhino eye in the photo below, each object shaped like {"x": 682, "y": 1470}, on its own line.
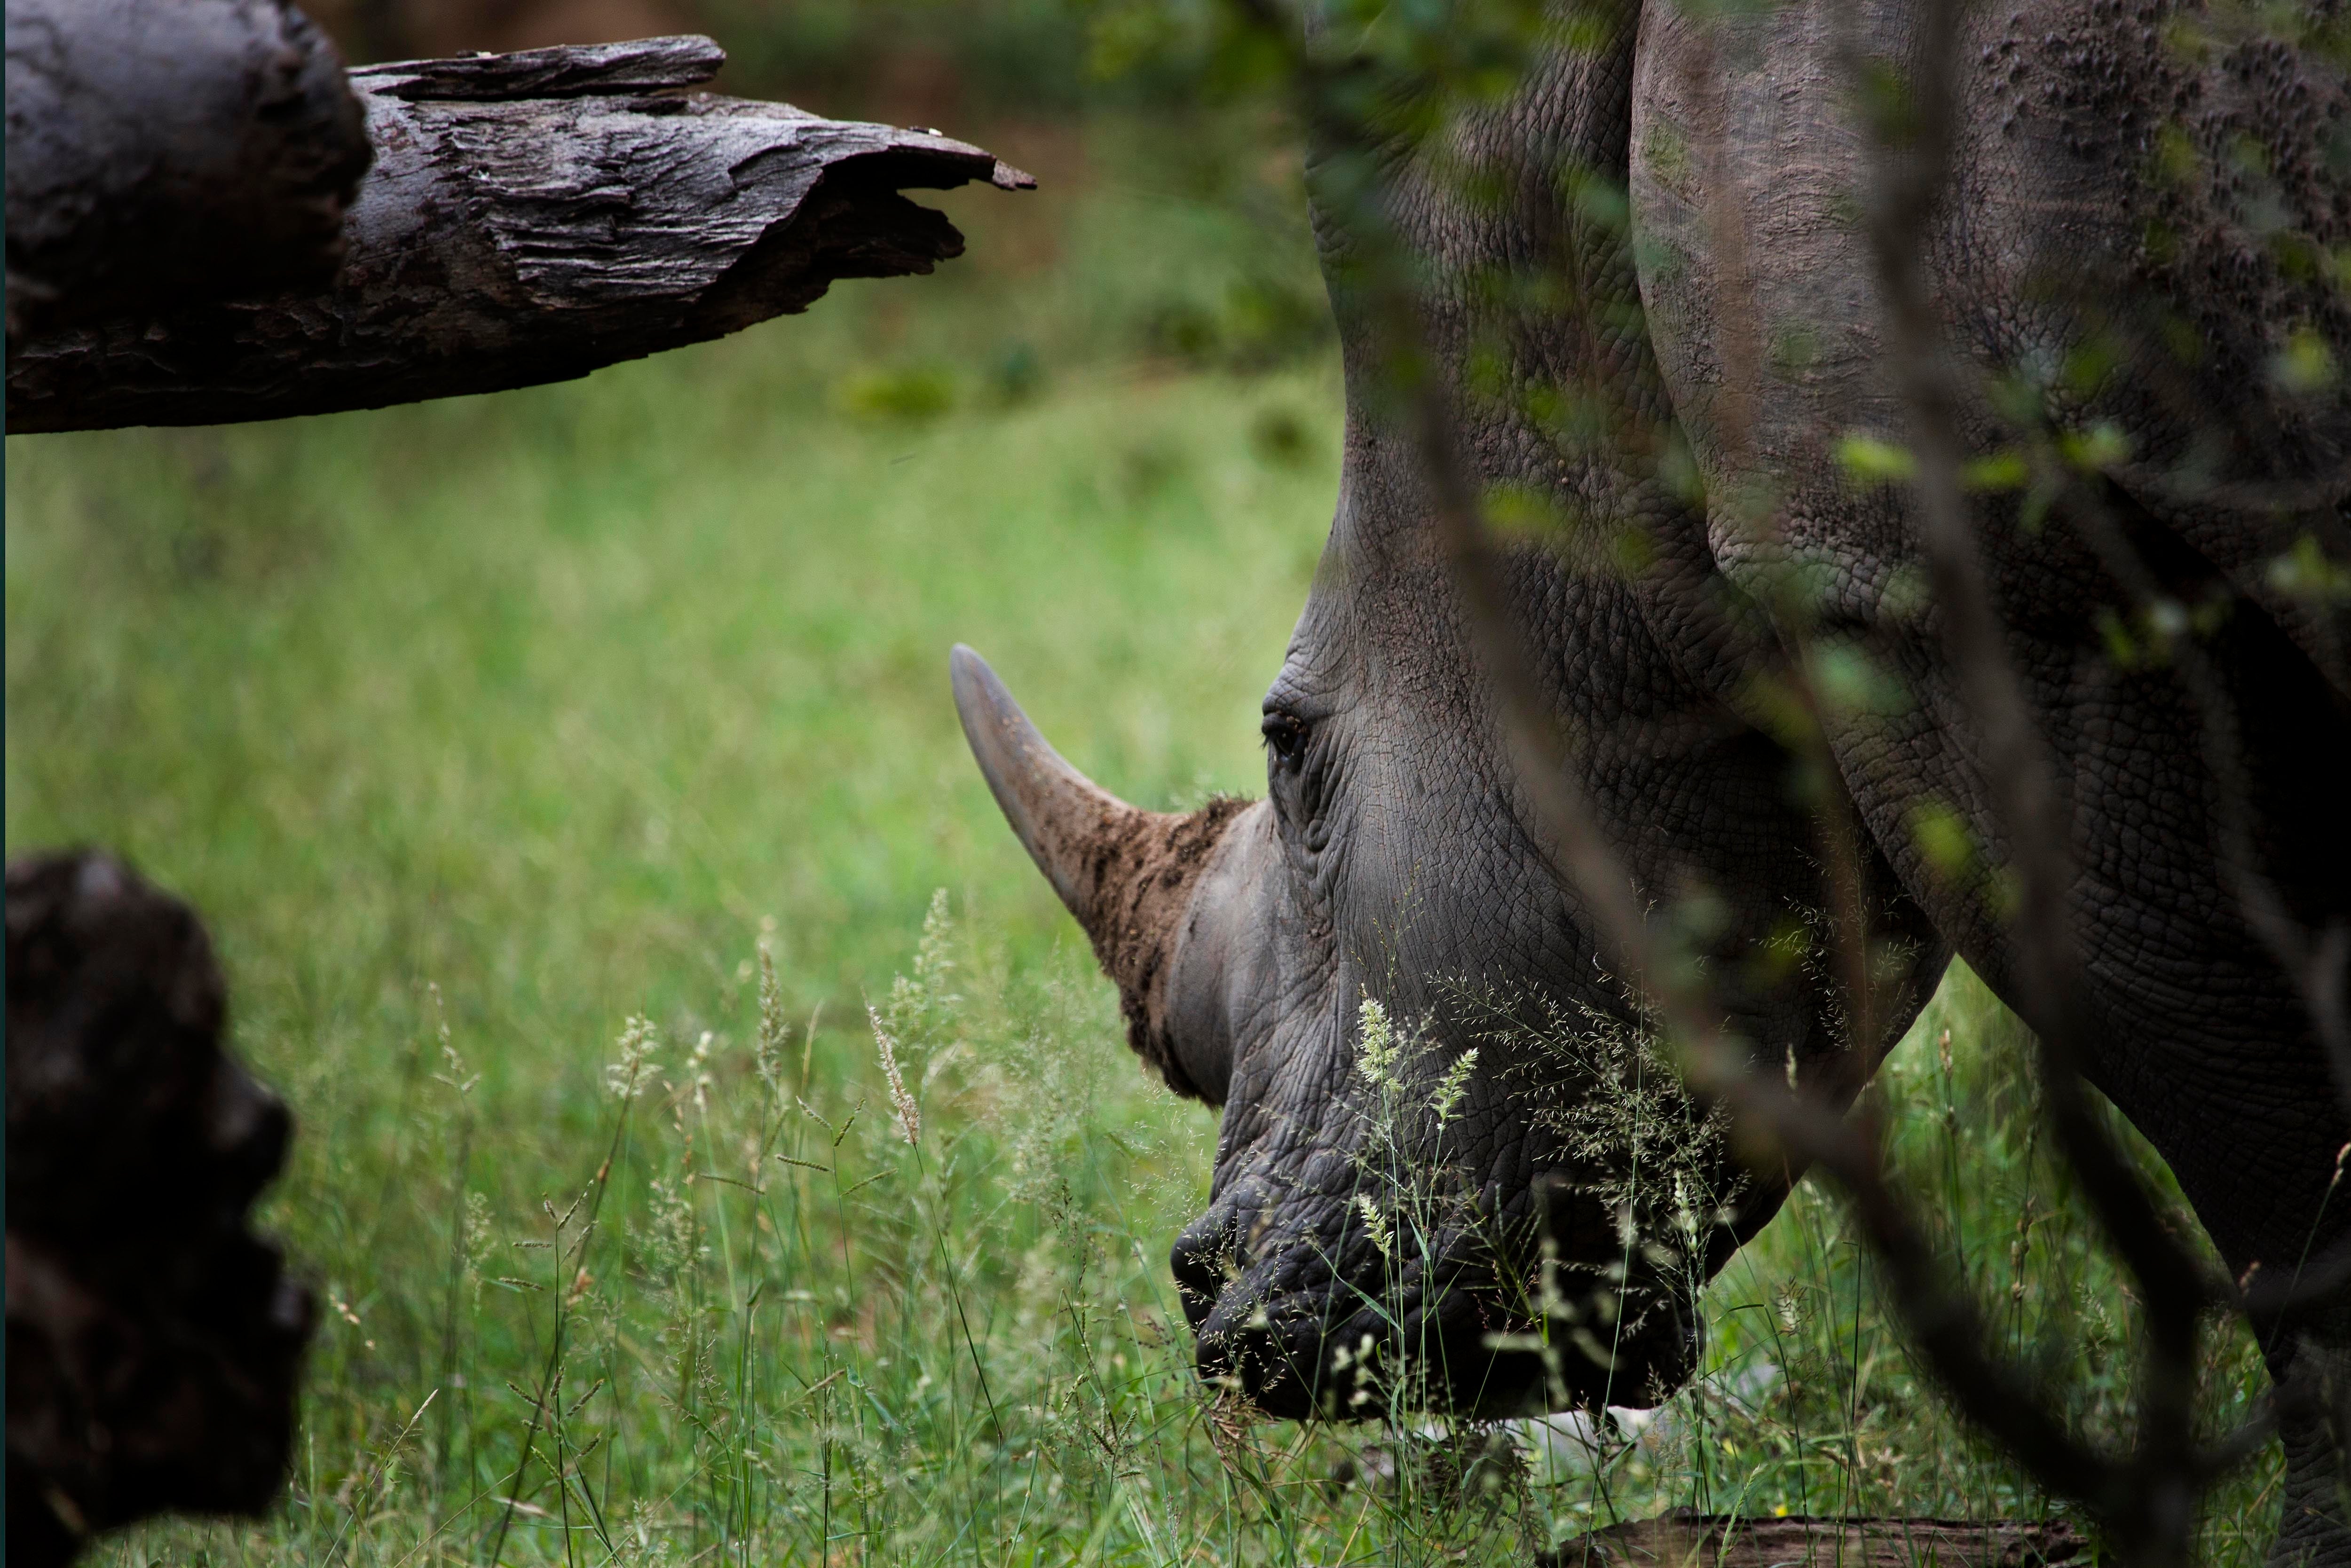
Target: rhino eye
{"x": 1285, "y": 735}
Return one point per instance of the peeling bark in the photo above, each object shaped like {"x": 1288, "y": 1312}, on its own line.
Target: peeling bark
{"x": 531, "y": 217}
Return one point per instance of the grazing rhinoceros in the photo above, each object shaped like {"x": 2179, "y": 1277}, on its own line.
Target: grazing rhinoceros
{"x": 2132, "y": 253}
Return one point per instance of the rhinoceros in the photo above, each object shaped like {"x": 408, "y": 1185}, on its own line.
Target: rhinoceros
{"x": 2131, "y": 258}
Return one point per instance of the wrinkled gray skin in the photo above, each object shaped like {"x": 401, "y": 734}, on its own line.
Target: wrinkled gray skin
{"x": 1736, "y": 330}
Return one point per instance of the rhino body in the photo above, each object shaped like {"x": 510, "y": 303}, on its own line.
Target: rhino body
{"x": 2114, "y": 257}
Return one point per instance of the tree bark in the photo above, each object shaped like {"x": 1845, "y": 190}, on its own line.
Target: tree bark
{"x": 530, "y": 217}
{"x": 161, "y": 151}
{"x": 1687, "y": 1540}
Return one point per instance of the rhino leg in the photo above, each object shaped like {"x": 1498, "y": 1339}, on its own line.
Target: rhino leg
{"x": 2313, "y": 1372}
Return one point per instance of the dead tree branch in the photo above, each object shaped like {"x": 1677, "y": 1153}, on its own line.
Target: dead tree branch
{"x": 531, "y": 217}
{"x": 165, "y": 151}
{"x": 1728, "y": 1541}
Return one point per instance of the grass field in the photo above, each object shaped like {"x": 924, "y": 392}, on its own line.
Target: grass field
{"x": 499, "y": 739}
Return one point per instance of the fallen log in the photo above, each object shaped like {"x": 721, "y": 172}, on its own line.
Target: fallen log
{"x": 1684, "y": 1538}
{"x": 530, "y": 217}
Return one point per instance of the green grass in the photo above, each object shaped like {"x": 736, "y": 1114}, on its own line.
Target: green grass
{"x": 480, "y": 729}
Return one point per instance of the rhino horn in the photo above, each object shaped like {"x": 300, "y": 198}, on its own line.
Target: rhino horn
{"x": 1070, "y": 826}
{"x": 1127, "y": 874}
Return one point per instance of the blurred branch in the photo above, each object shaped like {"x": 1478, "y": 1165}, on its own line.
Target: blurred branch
{"x": 2029, "y": 820}
{"x": 531, "y": 217}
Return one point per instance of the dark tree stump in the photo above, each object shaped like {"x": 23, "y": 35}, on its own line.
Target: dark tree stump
{"x": 1685, "y": 1540}
{"x": 162, "y": 152}
{"x": 154, "y": 1340}
{"x": 530, "y": 217}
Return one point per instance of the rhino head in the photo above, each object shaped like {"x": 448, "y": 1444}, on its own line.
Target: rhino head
{"x": 1366, "y": 1242}
{"x": 1383, "y": 1231}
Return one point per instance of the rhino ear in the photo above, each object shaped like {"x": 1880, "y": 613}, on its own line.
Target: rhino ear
{"x": 1127, "y": 874}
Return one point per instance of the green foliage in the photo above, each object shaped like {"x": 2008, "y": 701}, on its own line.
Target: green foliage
{"x": 2304, "y": 572}
{"x": 1870, "y": 460}
{"x": 1027, "y": 57}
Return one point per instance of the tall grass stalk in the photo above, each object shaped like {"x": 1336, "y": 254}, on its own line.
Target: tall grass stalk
{"x": 806, "y": 1335}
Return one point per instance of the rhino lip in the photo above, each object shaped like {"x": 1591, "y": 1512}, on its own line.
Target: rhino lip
{"x": 1290, "y": 1355}
{"x": 1282, "y": 1366}
{"x": 1294, "y": 1348}
{"x": 1291, "y": 1362}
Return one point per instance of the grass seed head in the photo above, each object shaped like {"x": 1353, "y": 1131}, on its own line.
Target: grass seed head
{"x": 1375, "y": 1224}
{"x": 1453, "y": 1086}
{"x": 1380, "y": 1049}
{"x": 627, "y": 1075}
{"x": 901, "y": 1102}
{"x": 767, "y": 1051}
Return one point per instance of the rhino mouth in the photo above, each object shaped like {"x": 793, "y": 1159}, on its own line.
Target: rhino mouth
{"x": 1295, "y": 1332}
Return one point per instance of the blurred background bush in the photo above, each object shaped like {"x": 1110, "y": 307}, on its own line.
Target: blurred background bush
{"x": 935, "y": 61}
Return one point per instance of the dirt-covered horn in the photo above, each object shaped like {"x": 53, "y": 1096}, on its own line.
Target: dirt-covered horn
{"x": 1126, "y": 873}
